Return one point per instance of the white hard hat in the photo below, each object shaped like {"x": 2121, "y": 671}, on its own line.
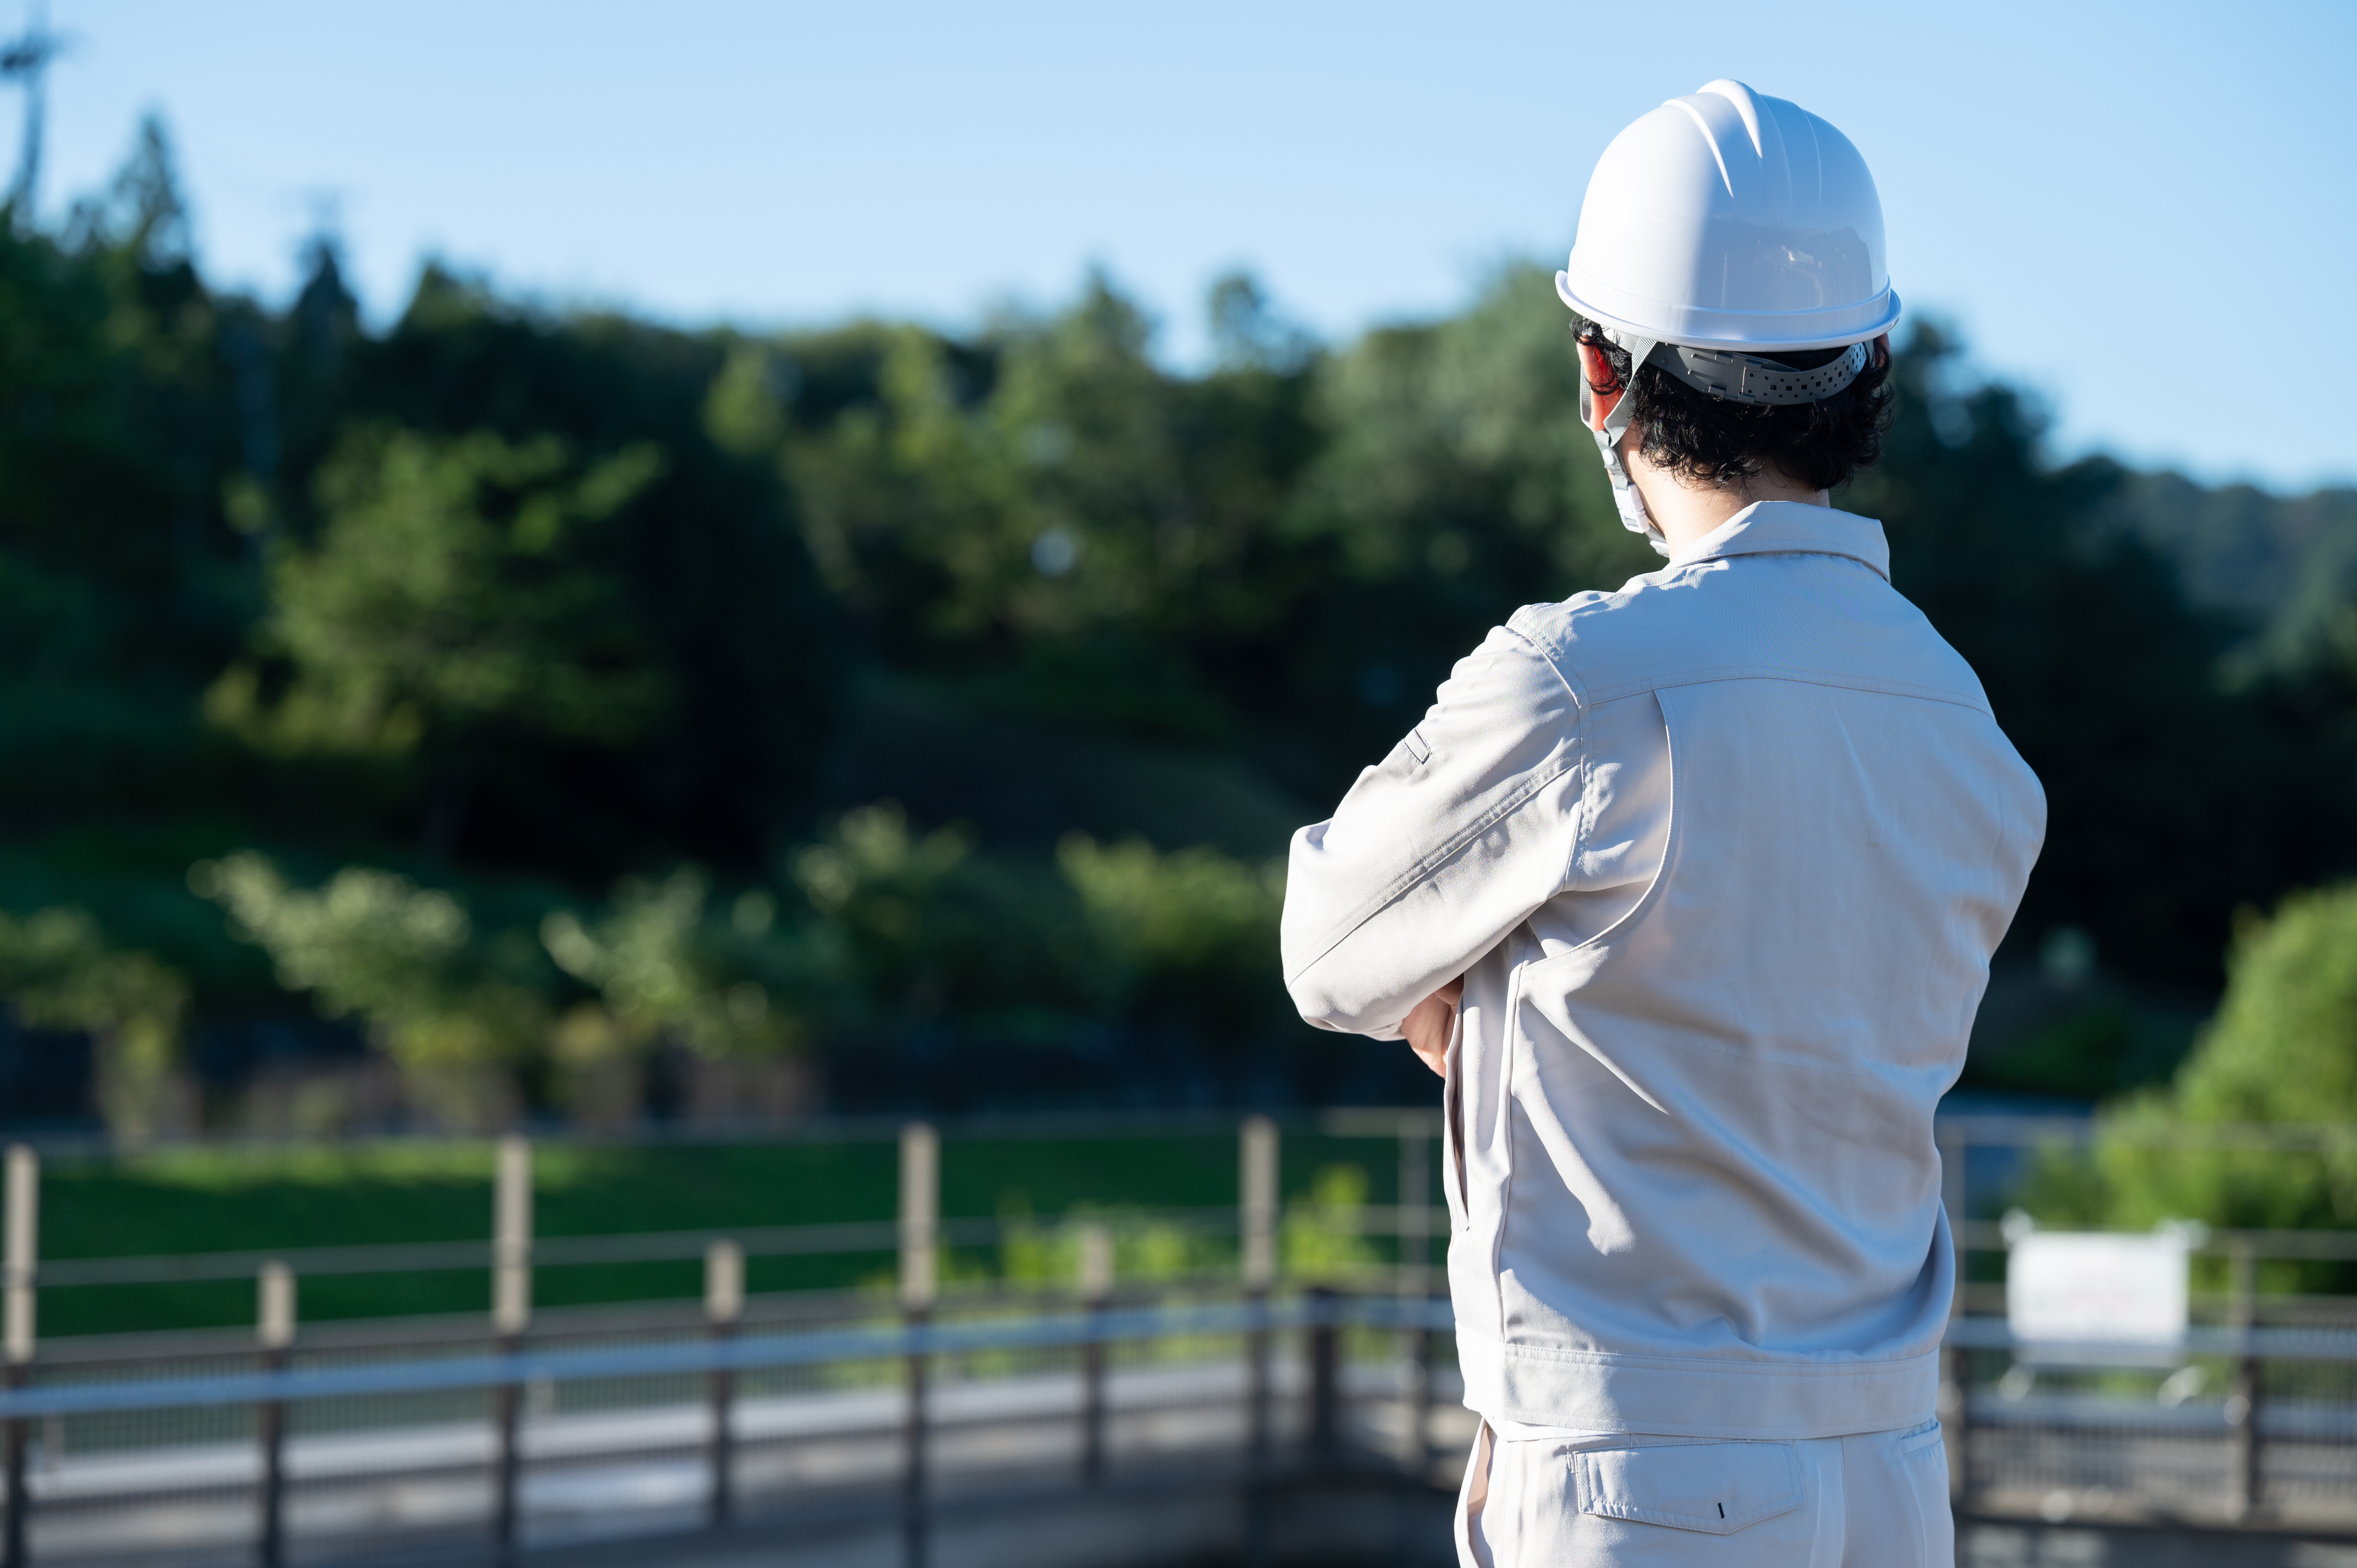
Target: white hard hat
{"x": 1719, "y": 228}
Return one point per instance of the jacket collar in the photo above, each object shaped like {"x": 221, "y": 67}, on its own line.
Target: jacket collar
{"x": 1792, "y": 528}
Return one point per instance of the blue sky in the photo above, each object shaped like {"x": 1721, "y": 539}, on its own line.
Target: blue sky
{"x": 2145, "y": 212}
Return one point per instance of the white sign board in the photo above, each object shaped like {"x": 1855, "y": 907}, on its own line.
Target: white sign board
{"x": 2096, "y": 1287}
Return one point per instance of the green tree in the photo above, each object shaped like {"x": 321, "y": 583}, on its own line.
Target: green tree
{"x": 1455, "y": 484}
{"x": 936, "y": 935}
{"x": 1193, "y": 932}
{"x": 669, "y": 966}
{"x": 2282, "y": 1049}
{"x": 1044, "y": 519}
{"x": 462, "y": 1013}
{"x": 2283, "y": 1046}
{"x": 57, "y": 972}
{"x": 446, "y": 612}
{"x": 714, "y": 591}
{"x": 119, "y": 585}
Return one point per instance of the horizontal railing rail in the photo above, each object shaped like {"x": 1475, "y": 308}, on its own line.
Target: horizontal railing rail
{"x": 2335, "y": 1347}
{"x": 406, "y": 1257}
{"x": 888, "y": 1341}
{"x": 1983, "y": 1129}
{"x": 2218, "y": 1241}
{"x": 738, "y": 1354}
{"x": 1999, "y": 1431}
{"x": 883, "y": 1236}
{"x": 669, "y": 1246}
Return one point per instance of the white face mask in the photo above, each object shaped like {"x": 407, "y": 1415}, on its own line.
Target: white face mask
{"x": 1608, "y": 440}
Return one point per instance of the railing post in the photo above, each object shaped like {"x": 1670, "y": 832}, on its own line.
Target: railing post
{"x": 1955, "y": 1362}
{"x": 1415, "y": 1351}
{"x": 273, "y": 1328}
{"x": 1957, "y": 1424}
{"x": 511, "y": 1315}
{"x": 1256, "y": 1233}
{"x": 920, "y": 1210}
{"x": 1325, "y": 1376}
{"x": 2243, "y": 1486}
{"x": 1258, "y": 1222}
{"x": 22, "y": 1259}
{"x": 723, "y": 1304}
{"x": 1096, "y": 1286}
{"x": 1422, "y": 1453}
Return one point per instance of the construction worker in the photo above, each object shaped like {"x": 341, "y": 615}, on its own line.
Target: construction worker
{"x": 1688, "y": 891}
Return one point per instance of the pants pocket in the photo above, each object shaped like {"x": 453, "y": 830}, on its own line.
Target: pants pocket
{"x": 1710, "y": 1488}
{"x": 1923, "y": 1454}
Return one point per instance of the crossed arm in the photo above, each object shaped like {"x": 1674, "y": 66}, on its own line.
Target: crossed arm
{"x": 1437, "y": 853}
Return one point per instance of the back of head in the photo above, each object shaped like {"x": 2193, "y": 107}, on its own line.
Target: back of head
{"x": 1730, "y": 266}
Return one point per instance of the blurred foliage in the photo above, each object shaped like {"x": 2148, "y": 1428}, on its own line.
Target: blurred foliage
{"x": 1325, "y": 1236}
{"x": 59, "y": 973}
{"x": 418, "y": 617}
{"x": 249, "y": 1196}
{"x": 2283, "y": 1050}
{"x": 1182, "y": 929}
{"x": 667, "y": 967}
{"x": 2284, "y": 1045}
{"x": 1146, "y": 1250}
{"x": 533, "y": 686}
{"x": 935, "y": 932}
{"x": 2082, "y": 1057}
{"x": 879, "y": 930}
{"x": 451, "y": 1009}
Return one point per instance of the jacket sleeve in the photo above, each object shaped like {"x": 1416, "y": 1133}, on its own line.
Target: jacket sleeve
{"x": 1442, "y": 849}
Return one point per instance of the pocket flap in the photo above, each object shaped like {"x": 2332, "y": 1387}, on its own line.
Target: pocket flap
{"x": 1715, "y": 1487}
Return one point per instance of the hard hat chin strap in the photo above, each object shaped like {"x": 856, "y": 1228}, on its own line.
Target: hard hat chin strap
{"x": 1633, "y": 516}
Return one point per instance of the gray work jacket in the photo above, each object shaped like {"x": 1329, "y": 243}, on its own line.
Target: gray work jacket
{"x": 1722, "y": 857}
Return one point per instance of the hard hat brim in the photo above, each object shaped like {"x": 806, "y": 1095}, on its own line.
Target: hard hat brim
{"x": 1751, "y": 331}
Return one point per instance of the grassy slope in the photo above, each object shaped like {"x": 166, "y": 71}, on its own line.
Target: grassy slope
{"x": 221, "y": 1200}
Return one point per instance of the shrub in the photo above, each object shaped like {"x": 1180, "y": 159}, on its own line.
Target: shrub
{"x": 58, "y": 972}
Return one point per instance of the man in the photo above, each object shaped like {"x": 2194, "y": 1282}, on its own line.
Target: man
{"x": 1688, "y": 891}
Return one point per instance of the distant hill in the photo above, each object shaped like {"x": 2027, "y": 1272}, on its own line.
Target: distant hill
{"x": 2279, "y": 565}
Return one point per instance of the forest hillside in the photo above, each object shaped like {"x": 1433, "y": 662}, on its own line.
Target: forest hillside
{"x": 528, "y": 711}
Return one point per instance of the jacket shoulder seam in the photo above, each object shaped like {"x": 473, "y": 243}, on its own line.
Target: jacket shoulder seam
{"x": 1976, "y": 703}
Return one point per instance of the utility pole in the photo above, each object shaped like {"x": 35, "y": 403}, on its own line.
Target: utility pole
{"x": 25, "y": 60}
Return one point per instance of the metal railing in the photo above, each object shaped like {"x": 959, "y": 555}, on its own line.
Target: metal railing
{"x": 752, "y": 1412}
{"x": 2252, "y": 1422}
{"x": 2129, "y": 1433}
{"x": 221, "y": 1417}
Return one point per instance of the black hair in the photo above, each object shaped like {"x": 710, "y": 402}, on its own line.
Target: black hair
{"x": 1718, "y": 441}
